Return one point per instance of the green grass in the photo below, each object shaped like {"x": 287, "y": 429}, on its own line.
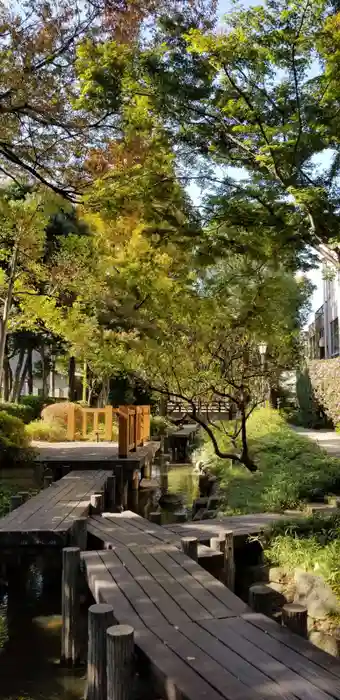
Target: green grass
{"x": 291, "y": 469}
{"x": 311, "y": 544}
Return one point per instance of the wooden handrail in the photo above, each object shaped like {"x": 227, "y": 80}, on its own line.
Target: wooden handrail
{"x": 133, "y": 425}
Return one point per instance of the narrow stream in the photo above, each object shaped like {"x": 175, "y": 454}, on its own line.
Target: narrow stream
{"x": 30, "y": 625}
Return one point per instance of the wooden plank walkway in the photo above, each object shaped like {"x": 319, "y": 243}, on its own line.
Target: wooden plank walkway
{"x": 130, "y": 529}
{"x": 197, "y": 637}
{"x": 240, "y": 525}
{"x": 48, "y": 517}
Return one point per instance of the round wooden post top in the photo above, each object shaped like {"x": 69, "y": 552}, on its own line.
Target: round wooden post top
{"x": 100, "y": 608}
{"x": 120, "y": 631}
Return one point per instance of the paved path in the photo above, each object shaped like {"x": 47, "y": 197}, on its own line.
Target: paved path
{"x": 327, "y": 439}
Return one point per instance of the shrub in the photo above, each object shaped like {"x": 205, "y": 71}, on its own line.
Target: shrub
{"x": 12, "y": 432}
{"x": 25, "y": 413}
{"x": 45, "y": 431}
{"x": 35, "y": 404}
{"x": 312, "y": 544}
{"x": 291, "y": 468}
{"x": 159, "y": 425}
{"x": 58, "y": 412}
{"x": 325, "y": 380}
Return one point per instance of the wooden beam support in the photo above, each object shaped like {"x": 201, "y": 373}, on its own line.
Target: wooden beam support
{"x": 100, "y": 618}
{"x": 120, "y": 652}
{"x": 70, "y": 653}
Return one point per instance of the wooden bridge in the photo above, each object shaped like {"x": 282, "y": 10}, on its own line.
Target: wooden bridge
{"x": 194, "y": 638}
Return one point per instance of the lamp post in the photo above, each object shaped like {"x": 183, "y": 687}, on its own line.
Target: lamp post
{"x": 262, "y": 351}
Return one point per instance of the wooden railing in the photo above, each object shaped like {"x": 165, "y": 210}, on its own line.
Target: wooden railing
{"x": 133, "y": 425}
{"x": 201, "y": 406}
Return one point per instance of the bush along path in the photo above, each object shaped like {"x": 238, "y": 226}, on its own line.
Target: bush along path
{"x": 292, "y": 469}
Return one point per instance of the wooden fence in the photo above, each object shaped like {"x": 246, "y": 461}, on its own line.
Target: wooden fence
{"x": 133, "y": 425}
{"x": 174, "y": 407}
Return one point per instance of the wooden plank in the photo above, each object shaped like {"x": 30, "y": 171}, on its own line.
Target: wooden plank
{"x": 163, "y": 602}
{"x": 180, "y": 595}
{"x": 214, "y": 586}
{"x": 126, "y": 536}
{"x": 282, "y": 664}
{"x": 178, "y": 680}
{"x": 130, "y": 519}
{"x": 105, "y": 590}
{"x": 206, "y": 667}
{"x": 228, "y": 658}
{"x": 194, "y": 587}
{"x": 33, "y": 505}
{"x": 135, "y": 594}
{"x": 302, "y": 646}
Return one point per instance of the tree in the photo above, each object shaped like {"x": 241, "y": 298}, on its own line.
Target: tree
{"x": 45, "y": 132}
{"x": 260, "y": 96}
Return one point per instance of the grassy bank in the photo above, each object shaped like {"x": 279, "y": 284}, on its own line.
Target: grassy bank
{"x": 312, "y": 544}
{"x": 291, "y": 468}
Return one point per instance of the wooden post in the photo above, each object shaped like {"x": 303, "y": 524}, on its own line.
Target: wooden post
{"x": 123, "y": 432}
{"x": 16, "y": 501}
{"x": 71, "y": 422}
{"x": 79, "y": 533}
{"x": 108, "y": 423}
{"x": 70, "y": 606}
{"x": 100, "y": 617}
{"x": 84, "y": 422}
{"x": 261, "y": 598}
{"x": 97, "y": 503}
{"x": 190, "y": 547}
{"x": 120, "y": 651}
{"x": 218, "y": 543}
{"x": 48, "y": 480}
{"x": 147, "y": 470}
{"x": 229, "y": 561}
{"x": 24, "y": 496}
{"x": 111, "y": 492}
{"x": 180, "y": 516}
{"x": 294, "y": 616}
{"x": 156, "y": 517}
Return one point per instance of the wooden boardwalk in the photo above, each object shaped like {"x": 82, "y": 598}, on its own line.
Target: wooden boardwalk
{"x": 48, "y": 518}
{"x": 195, "y": 636}
{"x": 240, "y": 525}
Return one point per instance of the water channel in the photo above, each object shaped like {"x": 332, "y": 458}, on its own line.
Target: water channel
{"x": 30, "y": 625}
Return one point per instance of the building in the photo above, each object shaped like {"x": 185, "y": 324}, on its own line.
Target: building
{"x": 322, "y": 336}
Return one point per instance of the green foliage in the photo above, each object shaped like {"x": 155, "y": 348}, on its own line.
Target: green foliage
{"x": 46, "y": 431}
{"x": 292, "y": 469}
{"x": 159, "y": 425}
{"x": 35, "y": 404}
{"x": 12, "y": 432}
{"x": 312, "y": 544}
{"x": 22, "y": 411}
{"x": 325, "y": 380}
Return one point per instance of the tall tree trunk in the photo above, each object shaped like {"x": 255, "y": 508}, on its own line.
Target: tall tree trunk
{"x": 44, "y": 371}
{"x": 52, "y": 377}
{"x": 71, "y": 378}
{"x": 7, "y": 383}
{"x": 17, "y": 374}
{"x": 22, "y": 379}
{"x": 30, "y": 372}
{"x": 85, "y": 382}
{"x": 7, "y": 310}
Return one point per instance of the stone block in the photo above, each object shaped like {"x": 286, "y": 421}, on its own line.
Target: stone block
{"x": 315, "y": 594}
{"x": 325, "y": 642}
{"x": 277, "y": 574}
